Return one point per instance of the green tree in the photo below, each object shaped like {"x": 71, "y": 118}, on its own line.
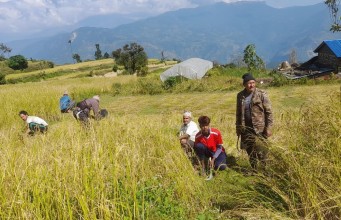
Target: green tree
{"x": 133, "y": 58}
{"x": 106, "y": 55}
{"x": 77, "y": 57}
{"x": 98, "y": 53}
{"x": 4, "y": 49}
{"x": 17, "y": 62}
{"x": 333, "y": 6}
{"x": 252, "y": 60}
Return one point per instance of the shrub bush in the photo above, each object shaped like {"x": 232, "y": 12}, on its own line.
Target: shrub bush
{"x": 17, "y": 62}
{"x": 2, "y": 78}
{"x": 115, "y": 68}
{"x": 278, "y": 79}
{"x": 117, "y": 88}
{"x": 49, "y": 64}
{"x": 143, "y": 71}
{"x": 171, "y": 82}
{"x": 148, "y": 86}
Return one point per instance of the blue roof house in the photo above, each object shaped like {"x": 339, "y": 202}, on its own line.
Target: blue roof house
{"x": 329, "y": 54}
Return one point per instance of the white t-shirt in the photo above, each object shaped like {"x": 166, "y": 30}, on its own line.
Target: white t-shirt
{"x": 191, "y": 129}
{"x": 35, "y": 119}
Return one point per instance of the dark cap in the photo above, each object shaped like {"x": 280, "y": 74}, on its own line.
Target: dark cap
{"x": 247, "y": 77}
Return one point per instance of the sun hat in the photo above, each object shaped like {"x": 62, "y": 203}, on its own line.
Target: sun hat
{"x": 96, "y": 97}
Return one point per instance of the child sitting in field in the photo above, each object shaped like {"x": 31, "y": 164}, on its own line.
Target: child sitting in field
{"x": 34, "y": 123}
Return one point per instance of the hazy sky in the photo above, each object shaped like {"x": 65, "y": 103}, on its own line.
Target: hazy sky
{"x": 32, "y": 16}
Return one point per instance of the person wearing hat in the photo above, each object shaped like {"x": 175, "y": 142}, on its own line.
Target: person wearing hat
{"x": 34, "y": 123}
{"x": 65, "y": 103}
{"x": 187, "y": 133}
{"x": 82, "y": 111}
{"x": 209, "y": 144}
{"x": 254, "y": 120}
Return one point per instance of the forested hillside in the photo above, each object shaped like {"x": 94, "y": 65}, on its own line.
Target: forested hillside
{"x": 218, "y": 32}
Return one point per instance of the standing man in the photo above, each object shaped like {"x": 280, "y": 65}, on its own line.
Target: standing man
{"x": 34, "y": 123}
{"x": 65, "y": 103}
{"x": 209, "y": 144}
{"x": 82, "y": 111}
{"x": 254, "y": 120}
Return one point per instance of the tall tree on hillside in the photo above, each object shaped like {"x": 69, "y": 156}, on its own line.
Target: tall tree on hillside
{"x": 98, "y": 53}
{"x": 333, "y": 6}
{"x": 77, "y": 57}
{"x": 4, "y": 49}
{"x": 72, "y": 38}
{"x": 132, "y": 57}
{"x": 293, "y": 56}
{"x": 252, "y": 60}
{"x": 70, "y": 42}
{"x": 163, "y": 58}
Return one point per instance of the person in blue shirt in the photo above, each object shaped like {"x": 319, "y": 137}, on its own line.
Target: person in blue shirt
{"x": 65, "y": 103}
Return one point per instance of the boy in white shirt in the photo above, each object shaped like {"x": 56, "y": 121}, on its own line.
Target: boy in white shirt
{"x": 34, "y": 123}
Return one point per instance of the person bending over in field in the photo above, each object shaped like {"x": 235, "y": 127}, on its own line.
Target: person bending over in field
{"x": 65, "y": 103}
{"x": 254, "y": 120}
{"x": 83, "y": 108}
{"x": 34, "y": 123}
{"x": 187, "y": 133}
{"x": 209, "y": 144}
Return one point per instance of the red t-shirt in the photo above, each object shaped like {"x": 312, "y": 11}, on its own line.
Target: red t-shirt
{"x": 211, "y": 142}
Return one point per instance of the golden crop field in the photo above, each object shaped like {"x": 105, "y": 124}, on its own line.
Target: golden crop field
{"x": 131, "y": 166}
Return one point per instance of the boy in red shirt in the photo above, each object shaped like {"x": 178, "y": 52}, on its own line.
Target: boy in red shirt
{"x": 209, "y": 144}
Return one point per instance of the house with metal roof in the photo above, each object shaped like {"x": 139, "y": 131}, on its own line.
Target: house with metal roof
{"x": 329, "y": 54}
{"x": 327, "y": 61}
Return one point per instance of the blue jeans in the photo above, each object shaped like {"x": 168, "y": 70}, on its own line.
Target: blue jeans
{"x": 202, "y": 151}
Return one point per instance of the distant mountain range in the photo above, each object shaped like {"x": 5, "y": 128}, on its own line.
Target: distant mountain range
{"x": 218, "y": 32}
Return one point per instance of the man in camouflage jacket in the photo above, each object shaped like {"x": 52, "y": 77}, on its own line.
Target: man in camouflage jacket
{"x": 254, "y": 120}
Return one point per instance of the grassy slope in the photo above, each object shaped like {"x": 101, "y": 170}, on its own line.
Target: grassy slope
{"x": 131, "y": 165}
{"x": 89, "y": 68}
{"x": 68, "y": 71}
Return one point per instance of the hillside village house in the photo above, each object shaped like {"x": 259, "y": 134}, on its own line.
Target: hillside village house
{"x": 329, "y": 54}
{"x": 327, "y": 61}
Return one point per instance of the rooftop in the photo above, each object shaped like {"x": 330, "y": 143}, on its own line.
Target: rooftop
{"x": 334, "y": 45}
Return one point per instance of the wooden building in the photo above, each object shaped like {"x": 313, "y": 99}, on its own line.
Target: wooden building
{"x": 329, "y": 55}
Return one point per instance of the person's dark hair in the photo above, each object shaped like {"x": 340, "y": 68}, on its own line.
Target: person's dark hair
{"x": 23, "y": 113}
{"x": 204, "y": 120}
{"x": 247, "y": 77}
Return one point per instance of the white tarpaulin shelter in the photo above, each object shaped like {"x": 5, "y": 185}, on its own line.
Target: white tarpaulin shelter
{"x": 193, "y": 68}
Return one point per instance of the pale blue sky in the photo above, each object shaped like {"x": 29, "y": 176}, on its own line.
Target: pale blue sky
{"x": 25, "y": 17}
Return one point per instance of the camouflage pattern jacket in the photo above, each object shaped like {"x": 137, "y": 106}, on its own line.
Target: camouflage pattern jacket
{"x": 261, "y": 112}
